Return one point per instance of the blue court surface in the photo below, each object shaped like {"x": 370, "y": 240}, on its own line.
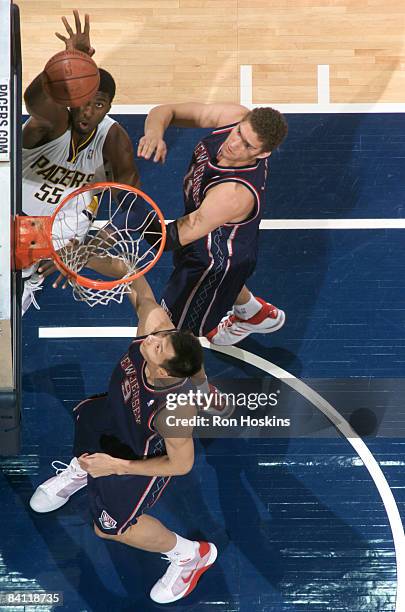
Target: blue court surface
{"x": 300, "y": 523}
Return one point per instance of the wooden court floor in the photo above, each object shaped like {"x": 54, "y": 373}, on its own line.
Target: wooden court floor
{"x": 175, "y": 50}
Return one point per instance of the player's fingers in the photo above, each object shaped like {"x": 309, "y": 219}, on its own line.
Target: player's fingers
{"x": 83, "y": 461}
{"x": 67, "y": 26}
{"x": 58, "y": 281}
{"x": 61, "y": 37}
{"x": 143, "y": 147}
{"x": 77, "y": 21}
{"x": 140, "y": 147}
{"x": 160, "y": 153}
{"x": 150, "y": 149}
{"x": 46, "y": 268}
{"x": 143, "y": 151}
{"x": 87, "y": 24}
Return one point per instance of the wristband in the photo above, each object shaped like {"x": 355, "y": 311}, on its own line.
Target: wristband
{"x": 172, "y": 237}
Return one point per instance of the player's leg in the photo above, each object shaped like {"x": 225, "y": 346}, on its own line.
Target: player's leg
{"x": 91, "y": 420}
{"x": 249, "y": 315}
{"x": 71, "y": 224}
{"x": 32, "y": 283}
{"x": 188, "y": 559}
{"x": 215, "y": 302}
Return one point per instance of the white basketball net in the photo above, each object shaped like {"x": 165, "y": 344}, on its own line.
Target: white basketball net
{"x": 77, "y": 235}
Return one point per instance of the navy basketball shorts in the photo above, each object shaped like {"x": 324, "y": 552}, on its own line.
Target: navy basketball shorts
{"x": 197, "y": 297}
{"x": 115, "y": 501}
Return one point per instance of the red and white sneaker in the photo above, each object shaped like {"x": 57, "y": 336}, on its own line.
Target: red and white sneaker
{"x": 180, "y": 579}
{"x": 221, "y": 404}
{"x": 56, "y": 491}
{"x": 232, "y": 329}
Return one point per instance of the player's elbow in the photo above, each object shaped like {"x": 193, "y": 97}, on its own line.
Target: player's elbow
{"x": 183, "y": 468}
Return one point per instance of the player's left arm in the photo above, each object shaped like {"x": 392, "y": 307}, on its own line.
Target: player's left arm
{"x": 119, "y": 152}
{"x": 178, "y": 461}
{"x": 228, "y": 202}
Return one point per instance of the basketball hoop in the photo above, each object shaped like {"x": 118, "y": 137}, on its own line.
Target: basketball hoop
{"x": 133, "y": 232}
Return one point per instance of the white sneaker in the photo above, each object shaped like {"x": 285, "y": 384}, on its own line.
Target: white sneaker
{"x": 232, "y": 329}
{"x": 31, "y": 285}
{"x": 55, "y": 492}
{"x": 180, "y": 579}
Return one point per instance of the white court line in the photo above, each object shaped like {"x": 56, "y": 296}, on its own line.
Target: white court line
{"x": 87, "y": 332}
{"x": 337, "y": 224}
{"x": 333, "y": 108}
{"x": 299, "y": 109}
{"x": 317, "y": 400}
{"x": 317, "y": 224}
{"x": 323, "y": 85}
{"x": 246, "y": 86}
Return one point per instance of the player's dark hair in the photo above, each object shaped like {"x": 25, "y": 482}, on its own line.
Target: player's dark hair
{"x": 270, "y": 126}
{"x": 107, "y": 83}
{"x": 188, "y": 357}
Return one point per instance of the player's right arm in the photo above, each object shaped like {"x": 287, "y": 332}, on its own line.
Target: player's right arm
{"x": 151, "y": 316}
{"x": 50, "y": 120}
{"x": 189, "y": 114}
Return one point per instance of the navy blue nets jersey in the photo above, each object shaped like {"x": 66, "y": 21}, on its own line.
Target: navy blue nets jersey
{"x": 203, "y": 174}
{"x": 135, "y": 403}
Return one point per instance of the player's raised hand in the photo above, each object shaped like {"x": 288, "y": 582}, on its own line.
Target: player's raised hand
{"x": 77, "y": 40}
{"x": 99, "y": 464}
{"x": 47, "y": 268}
{"x": 149, "y": 145}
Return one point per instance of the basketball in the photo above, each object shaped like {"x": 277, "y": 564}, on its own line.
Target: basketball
{"x": 71, "y": 78}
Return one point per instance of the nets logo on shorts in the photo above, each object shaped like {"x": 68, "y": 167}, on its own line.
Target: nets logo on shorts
{"x": 106, "y": 521}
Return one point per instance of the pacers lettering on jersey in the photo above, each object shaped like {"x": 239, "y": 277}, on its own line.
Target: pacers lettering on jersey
{"x": 130, "y": 387}
{"x": 194, "y": 177}
{"x": 58, "y": 175}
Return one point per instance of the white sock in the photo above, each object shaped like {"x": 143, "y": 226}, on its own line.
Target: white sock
{"x": 185, "y": 550}
{"x": 249, "y": 309}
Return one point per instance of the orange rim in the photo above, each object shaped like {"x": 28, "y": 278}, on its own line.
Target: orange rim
{"x": 97, "y": 284}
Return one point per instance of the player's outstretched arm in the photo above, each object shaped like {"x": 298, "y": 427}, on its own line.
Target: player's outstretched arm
{"x": 189, "y": 114}
{"x": 151, "y": 316}
{"x": 49, "y": 119}
{"x": 228, "y": 202}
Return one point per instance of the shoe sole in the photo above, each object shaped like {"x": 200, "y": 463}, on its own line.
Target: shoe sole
{"x": 196, "y": 577}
